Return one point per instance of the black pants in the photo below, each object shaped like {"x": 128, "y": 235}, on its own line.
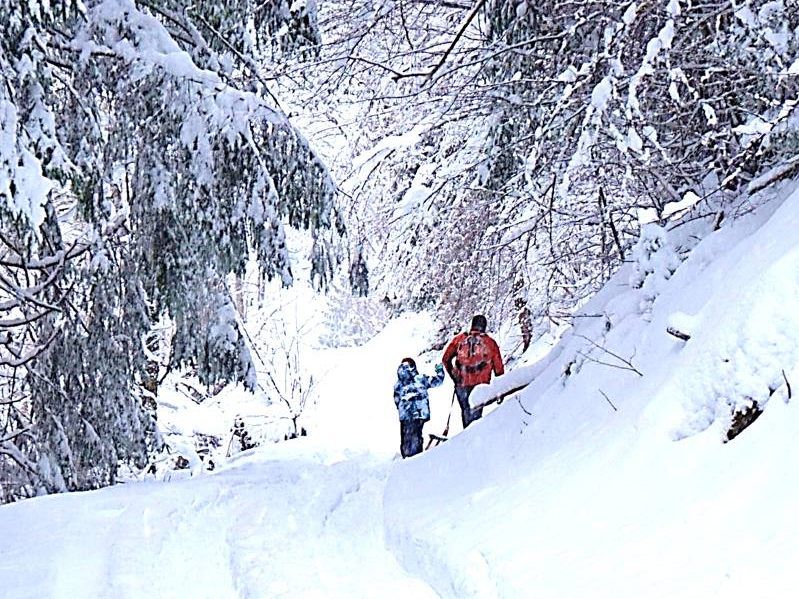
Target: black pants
{"x": 410, "y": 437}
{"x": 468, "y": 415}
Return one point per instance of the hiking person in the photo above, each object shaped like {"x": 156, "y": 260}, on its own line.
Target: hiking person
{"x": 413, "y": 404}
{"x": 475, "y": 355}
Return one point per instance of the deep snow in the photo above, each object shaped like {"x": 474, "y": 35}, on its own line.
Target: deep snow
{"x": 607, "y": 477}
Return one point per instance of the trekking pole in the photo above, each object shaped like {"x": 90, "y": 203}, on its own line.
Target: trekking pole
{"x": 443, "y": 436}
{"x": 449, "y": 416}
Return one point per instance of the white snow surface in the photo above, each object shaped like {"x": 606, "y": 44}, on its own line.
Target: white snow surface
{"x": 606, "y": 477}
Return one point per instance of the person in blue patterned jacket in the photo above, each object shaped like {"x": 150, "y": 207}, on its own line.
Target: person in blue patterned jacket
{"x": 413, "y": 404}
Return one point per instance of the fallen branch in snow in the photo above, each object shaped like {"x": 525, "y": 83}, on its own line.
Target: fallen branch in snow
{"x": 785, "y": 171}
{"x": 717, "y": 220}
{"x": 564, "y": 315}
{"x": 787, "y": 385}
{"x": 191, "y": 392}
{"x": 677, "y": 333}
{"x": 615, "y": 409}
{"x": 521, "y": 405}
{"x": 498, "y": 399}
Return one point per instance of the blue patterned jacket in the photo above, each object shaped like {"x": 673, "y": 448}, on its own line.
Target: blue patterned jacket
{"x": 410, "y": 392}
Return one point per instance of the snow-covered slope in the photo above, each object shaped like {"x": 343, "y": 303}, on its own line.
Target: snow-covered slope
{"x": 607, "y": 477}
{"x": 561, "y": 494}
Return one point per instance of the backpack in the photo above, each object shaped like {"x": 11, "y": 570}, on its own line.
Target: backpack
{"x": 472, "y": 354}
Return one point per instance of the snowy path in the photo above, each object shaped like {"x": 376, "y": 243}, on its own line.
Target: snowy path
{"x": 285, "y": 528}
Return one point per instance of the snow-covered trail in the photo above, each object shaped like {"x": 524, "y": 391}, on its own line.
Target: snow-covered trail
{"x": 288, "y": 525}
{"x": 297, "y": 519}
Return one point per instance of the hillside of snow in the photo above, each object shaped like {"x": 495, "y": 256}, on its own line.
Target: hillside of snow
{"x": 561, "y": 494}
{"x": 608, "y": 476}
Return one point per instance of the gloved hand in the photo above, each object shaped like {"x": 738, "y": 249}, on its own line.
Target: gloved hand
{"x": 439, "y": 369}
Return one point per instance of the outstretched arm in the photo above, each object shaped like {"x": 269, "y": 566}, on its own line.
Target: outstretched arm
{"x": 435, "y": 381}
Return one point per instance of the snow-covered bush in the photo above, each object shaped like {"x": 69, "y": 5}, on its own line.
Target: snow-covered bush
{"x": 242, "y": 438}
{"x": 654, "y": 261}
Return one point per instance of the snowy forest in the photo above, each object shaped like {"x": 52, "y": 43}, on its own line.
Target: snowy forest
{"x": 171, "y": 171}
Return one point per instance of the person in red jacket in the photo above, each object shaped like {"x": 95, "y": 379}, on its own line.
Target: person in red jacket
{"x": 470, "y": 358}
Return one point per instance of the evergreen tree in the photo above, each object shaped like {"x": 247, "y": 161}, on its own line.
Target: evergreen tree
{"x": 142, "y": 160}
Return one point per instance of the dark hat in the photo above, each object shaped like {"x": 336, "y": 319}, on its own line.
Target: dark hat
{"x": 479, "y": 323}
{"x": 410, "y": 361}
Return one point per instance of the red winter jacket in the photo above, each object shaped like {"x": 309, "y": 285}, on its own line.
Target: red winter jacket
{"x": 482, "y": 374}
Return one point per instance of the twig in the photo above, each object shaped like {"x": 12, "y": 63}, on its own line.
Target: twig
{"x": 521, "y": 405}
{"x": 717, "y": 220}
{"x": 614, "y": 231}
{"x": 787, "y": 384}
{"x": 428, "y": 75}
{"x": 628, "y": 363}
{"x": 615, "y": 409}
{"x": 608, "y": 364}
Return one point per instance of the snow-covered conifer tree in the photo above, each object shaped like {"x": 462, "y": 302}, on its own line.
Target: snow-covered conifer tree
{"x": 142, "y": 159}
